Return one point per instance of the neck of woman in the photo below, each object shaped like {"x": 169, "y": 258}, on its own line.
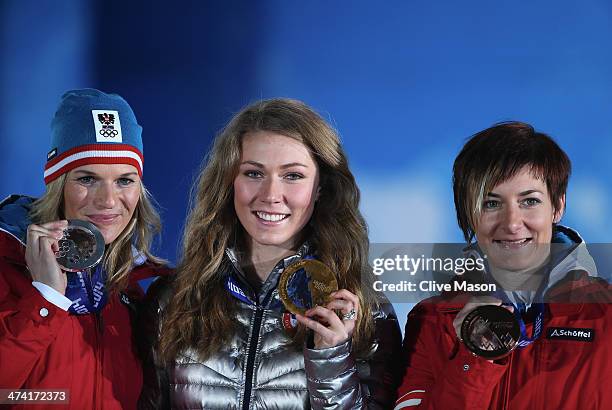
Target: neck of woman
{"x": 526, "y": 279}
{"x": 263, "y": 258}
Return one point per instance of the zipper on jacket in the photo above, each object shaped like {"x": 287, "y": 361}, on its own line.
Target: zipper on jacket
{"x": 538, "y": 354}
{"x": 97, "y": 346}
{"x": 250, "y": 364}
{"x": 97, "y": 371}
{"x": 507, "y": 380}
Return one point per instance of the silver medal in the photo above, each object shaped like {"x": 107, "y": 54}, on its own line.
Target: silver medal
{"x": 81, "y": 247}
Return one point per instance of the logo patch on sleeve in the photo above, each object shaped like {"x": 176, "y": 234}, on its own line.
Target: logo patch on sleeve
{"x": 108, "y": 126}
{"x": 570, "y": 333}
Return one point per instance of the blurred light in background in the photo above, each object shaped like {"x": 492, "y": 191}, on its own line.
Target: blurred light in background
{"x": 405, "y": 83}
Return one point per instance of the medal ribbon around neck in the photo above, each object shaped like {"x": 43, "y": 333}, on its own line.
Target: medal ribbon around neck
{"x": 537, "y": 325}
{"x": 302, "y": 285}
{"x": 87, "y": 292}
{"x": 518, "y": 310}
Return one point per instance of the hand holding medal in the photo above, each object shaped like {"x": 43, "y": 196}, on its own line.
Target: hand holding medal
{"x": 486, "y": 328}
{"x": 70, "y": 246}
{"x": 325, "y": 299}
{"x": 81, "y": 246}
{"x": 492, "y": 330}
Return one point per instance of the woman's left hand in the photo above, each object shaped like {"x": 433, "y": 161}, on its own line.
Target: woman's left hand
{"x": 329, "y": 329}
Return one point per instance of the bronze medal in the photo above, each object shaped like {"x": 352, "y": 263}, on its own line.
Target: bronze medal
{"x": 321, "y": 283}
{"x": 491, "y": 332}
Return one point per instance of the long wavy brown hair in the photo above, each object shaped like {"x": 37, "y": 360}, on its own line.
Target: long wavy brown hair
{"x": 118, "y": 256}
{"x": 200, "y": 314}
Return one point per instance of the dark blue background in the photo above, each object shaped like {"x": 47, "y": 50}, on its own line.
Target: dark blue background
{"x": 404, "y": 82}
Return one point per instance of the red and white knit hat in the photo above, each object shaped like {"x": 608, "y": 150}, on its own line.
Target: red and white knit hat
{"x": 92, "y": 127}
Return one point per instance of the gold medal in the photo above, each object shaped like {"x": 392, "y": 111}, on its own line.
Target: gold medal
{"x": 321, "y": 283}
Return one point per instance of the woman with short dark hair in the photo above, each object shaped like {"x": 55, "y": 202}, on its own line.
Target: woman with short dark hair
{"x": 509, "y": 184}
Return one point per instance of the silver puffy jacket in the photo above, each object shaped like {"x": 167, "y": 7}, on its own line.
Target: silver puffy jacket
{"x": 261, "y": 368}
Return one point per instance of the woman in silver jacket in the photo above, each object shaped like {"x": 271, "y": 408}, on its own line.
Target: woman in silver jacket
{"x": 275, "y": 188}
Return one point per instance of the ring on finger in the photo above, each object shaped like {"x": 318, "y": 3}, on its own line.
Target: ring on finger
{"x": 351, "y": 315}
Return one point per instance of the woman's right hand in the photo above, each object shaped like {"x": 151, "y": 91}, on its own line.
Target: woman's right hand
{"x": 473, "y": 303}
{"x": 42, "y": 243}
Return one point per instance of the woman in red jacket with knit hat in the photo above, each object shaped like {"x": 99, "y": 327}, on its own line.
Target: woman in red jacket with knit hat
{"x": 510, "y": 187}
{"x": 69, "y": 333}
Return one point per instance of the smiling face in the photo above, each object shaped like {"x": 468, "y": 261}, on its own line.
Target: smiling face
{"x": 515, "y": 224}
{"x": 103, "y": 194}
{"x": 275, "y": 189}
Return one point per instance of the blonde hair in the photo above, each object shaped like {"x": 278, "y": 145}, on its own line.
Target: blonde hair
{"x": 118, "y": 257}
{"x": 200, "y": 314}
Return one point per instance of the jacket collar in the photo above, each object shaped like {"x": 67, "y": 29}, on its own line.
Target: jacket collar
{"x": 14, "y": 216}
{"x": 569, "y": 264}
{"x": 568, "y": 253}
{"x": 271, "y": 283}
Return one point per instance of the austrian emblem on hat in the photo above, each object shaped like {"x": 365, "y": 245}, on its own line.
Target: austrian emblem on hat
{"x": 107, "y": 125}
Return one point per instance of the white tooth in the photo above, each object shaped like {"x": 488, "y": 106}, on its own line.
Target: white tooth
{"x": 270, "y": 217}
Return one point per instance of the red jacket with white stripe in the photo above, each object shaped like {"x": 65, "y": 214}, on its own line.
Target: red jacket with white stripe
{"x": 44, "y": 347}
{"x": 554, "y": 372}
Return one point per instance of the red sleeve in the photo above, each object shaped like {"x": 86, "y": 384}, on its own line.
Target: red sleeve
{"x": 28, "y": 325}
{"x": 440, "y": 372}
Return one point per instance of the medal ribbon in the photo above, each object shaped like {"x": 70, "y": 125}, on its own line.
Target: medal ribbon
{"x": 236, "y": 291}
{"x": 537, "y": 325}
{"x": 288, "y": 319}
{"x": 87, "y": 292}
{"x": 524, "y": 341}
{"x": 518, "y": 311}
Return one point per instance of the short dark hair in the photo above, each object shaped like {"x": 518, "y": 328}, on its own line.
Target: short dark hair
{"x": 495, "y": 155}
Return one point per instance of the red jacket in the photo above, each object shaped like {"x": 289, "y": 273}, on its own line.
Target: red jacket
{"x": 92, "y": 357}
{"x": 551, "y": 373}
